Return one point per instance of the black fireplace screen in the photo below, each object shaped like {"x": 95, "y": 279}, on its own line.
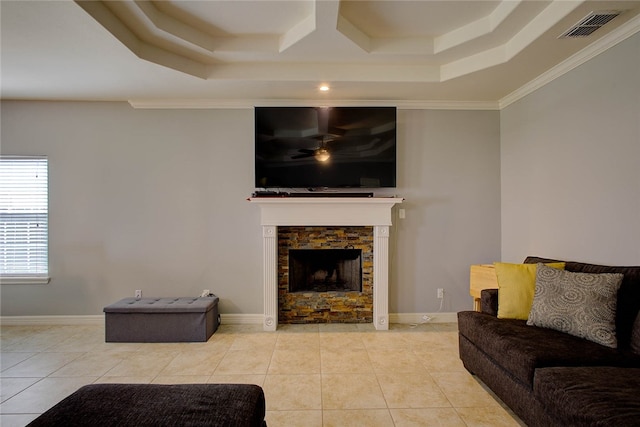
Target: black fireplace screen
{"x": 323, "y": 270}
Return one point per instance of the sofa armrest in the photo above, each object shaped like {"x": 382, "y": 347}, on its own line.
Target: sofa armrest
{"x": 489, "y": 301}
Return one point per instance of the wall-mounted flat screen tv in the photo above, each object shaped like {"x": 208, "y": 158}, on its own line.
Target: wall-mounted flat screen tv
{"x": 325, "y": 147}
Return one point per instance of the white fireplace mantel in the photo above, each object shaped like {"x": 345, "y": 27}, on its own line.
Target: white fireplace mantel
{"x": 326, "y": 211}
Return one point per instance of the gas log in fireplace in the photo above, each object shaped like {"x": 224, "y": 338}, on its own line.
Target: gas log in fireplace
{"x": 325, "y": 270}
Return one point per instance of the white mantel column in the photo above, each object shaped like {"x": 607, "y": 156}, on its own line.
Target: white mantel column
{"x": 381, "y": 277}
{"x": 270, "y": 269}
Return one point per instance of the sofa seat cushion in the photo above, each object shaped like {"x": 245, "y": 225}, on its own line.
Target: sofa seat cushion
{"x": 590, "y": 396}
{"x": 520, "y": 349}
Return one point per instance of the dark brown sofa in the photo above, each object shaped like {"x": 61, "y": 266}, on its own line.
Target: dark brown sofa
{"x": 550, "y": 378}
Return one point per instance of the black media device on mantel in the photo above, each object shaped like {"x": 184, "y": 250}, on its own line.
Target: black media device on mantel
{"x": 325, "y": 147}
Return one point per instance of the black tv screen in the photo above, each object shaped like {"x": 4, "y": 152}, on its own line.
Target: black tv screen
{"x": 325, "y": 147}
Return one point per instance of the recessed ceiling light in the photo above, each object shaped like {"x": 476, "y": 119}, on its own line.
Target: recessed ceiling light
{"x": 324, "y": 88}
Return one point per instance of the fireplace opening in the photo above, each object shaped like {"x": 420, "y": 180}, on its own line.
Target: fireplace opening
{"x": 325, "y": 270}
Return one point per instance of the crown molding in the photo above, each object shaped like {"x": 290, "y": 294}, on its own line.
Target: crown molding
{"x": 250, "y": 103}
{"x": 613, "y": 38}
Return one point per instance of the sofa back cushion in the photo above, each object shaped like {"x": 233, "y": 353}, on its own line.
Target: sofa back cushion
{"x": 628, "y": 294}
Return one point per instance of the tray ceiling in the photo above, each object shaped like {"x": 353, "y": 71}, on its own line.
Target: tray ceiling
{"x": 252, "y": 51}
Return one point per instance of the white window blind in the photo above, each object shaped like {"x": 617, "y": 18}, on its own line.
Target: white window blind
{"x": 24, "y": 230}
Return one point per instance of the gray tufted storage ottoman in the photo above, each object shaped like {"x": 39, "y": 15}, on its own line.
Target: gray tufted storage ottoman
{"x": 161, "y": 319}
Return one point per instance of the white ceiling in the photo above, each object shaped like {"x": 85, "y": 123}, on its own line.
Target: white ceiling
{"x": 478, "y": 54}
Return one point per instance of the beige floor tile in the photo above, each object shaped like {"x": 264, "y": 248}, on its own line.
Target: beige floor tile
{"x": 119, "y": 346}
{"x": 8, "y": 359}
{"x": 363, "y": 372}
{"x": 220, "y": 340}
{"x": 43, "y": 395}
{"x": 237, "y": 379}
{"x": 285, "y": 329}
{"x": 357, "y": 418}
{"x": 312, "y": 418}
{"x": 389, "y": 360}
{"x": 427, "y": 417}
{"x": 259, "y": 341}
{"x": 171, "y": 347}
{"x": 124, "y": 380}
{"x": 81, "y": 342}
{"x": 434, "y": 341}
{"x": 345, "y": 360}
{"x": 180, "y": 379}
{"x": 292, "y": 392}
{"x": 487, "y": 417}
{"x": 298, "y": 341}
{"x": 91, "y": 364}
{"x": 239, "y": 329}
{"x": 441, "y": 361}
{"x": 9, "y": 387}
{"x": 40, "y": 365}
{"x": 339, "y": 327}
{"x": 20, "y": 420}
{"x": 341, "y": 340}
{"x": 385, "y": 340}
{"x": 462, "y": 390}
{"x": 351, "y": 391}
{"x": 244, "y": 362}
{"x": 291, "y": 361}
{"x": 411, "y": 390}
{"x": 444, "y": 327}
{"x": 42, "y": 339}
{"x": 142, "y": 364}
{"x": 200, "y": 362}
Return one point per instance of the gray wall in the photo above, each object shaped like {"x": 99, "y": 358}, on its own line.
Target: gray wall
{"x": 155, "y": 200}
{"x": 570, "y": 158}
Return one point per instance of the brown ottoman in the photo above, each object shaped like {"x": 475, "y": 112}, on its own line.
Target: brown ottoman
{"x": 97, "y": 405}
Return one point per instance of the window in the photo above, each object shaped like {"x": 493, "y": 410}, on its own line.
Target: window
{"x": 24, "y": 211}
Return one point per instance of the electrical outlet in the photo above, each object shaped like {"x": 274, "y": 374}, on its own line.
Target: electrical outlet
{"x": 205, "y": 293}
{"x": 138, "y": 293}
{"x": 440, "y": 293}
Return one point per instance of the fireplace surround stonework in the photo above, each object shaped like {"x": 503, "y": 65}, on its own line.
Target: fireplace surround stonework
{"x": 330, "y": 306}
{"x": 373, "y": 212}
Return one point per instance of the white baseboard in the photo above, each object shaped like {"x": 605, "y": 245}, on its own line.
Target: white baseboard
{"x": 229, "y": 319}
{"x": 96, "y": 320}
{"x": 242, "y": 319}
{"x": 417, "y": 317}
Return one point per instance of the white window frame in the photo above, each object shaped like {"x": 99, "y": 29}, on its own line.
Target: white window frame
{"x": 24, "y": 220}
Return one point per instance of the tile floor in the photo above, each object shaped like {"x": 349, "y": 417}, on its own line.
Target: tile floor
{"x": 312, "y": 375}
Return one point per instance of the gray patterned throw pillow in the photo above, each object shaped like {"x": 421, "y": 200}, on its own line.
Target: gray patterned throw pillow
{"x": 580, "y": 304}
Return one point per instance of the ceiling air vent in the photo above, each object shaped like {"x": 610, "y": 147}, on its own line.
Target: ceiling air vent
{"x": 590, "y": 23}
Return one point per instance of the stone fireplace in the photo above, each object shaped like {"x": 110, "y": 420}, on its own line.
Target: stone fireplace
{"x": 325, "y": 274}
{"x": 337, "y": 215}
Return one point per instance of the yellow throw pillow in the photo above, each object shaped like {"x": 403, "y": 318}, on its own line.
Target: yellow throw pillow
{"x": 517, "y": 284}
